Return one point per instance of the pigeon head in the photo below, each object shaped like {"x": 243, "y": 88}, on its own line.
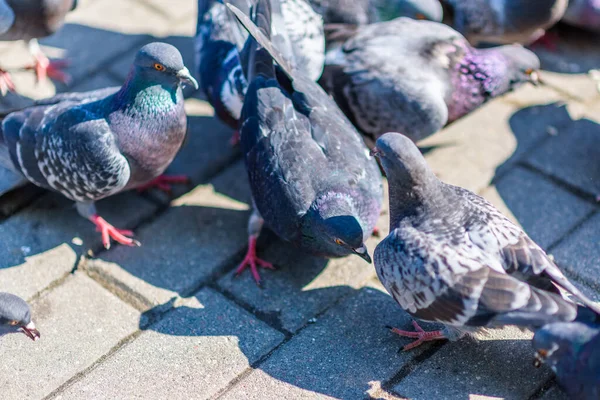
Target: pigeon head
{"x": 416, "y": 9}
{"x": 331, "y": 227}
{"x": 15, "y": 316}
{"x": 523, "y": 64}
{"x": 162, "y": 63}
{"x": 562, "y": 341}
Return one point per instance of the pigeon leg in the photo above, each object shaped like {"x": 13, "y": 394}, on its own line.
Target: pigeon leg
{"x": 376, "y": 232}
{"x": 235, "y": 138}
{"x": 6, "y": 82}
{"x": 254, "y": 226}
{"x": 549, "y": 41}
{"x": 419, "y": 334}
{"x": 163, "y": 182}
{"x": 44, "y": 68}
{"x": 88, "y": 211}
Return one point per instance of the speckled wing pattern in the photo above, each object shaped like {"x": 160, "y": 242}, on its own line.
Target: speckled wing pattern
{"x": 67, "y": 147}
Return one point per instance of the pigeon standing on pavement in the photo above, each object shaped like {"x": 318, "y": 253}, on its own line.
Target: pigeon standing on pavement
{"x": 15, "y": 316}
{"x": 583, "y": 14}
{"x": 90, "y": 145}
{"x": 452, "y": 257}
{"x": 312, "y": 179}
{"x": 220, "y": 42}
{"x": 31, "y": 20}
{"x": 572, "y": 350}
{"x": 362, "y": 12}
{"x": 506, "y": 21}
{"x": 415, "y": 77}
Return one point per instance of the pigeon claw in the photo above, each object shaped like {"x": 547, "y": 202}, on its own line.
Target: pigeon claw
{"x": 44, "y": 68}
{"x": 6, "y": 83}
{"x": 164, "y": 182}
{"x": 110, "y": 232}
{"x": 420, "y": 334}
{"x": 253, "y": 262}
{"x": 235, "y": 139}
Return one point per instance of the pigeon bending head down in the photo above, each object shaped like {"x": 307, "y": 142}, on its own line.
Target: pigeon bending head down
{"x": 15, "y": 317}
{"x": 161, "y": 63}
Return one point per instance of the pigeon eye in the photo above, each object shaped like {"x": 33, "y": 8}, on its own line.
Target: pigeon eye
{"x": 420, "y": 16}
{"x": 13, "y": 323}
{"x": 339, "y": 242}
{"x": 159, "y": 67}
{"x": 529, "y": 71}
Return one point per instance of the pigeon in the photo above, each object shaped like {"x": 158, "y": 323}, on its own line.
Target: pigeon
{"x": 312, "y": 179}
{"x": 506, "y": 21}
{"x": 451, "y": 257}
{"x": 220, "y": 42}
{"x": 15, "y": 316}
{"x": 415, "y": 77}
{"x": 572, "y": 350}
{"x": 362, "y": 12}
{"x": 7, "y": 16}
{"x": 583, "y": 14}
{"x": 91, "y": 145}
{"x": 31, "y": 20}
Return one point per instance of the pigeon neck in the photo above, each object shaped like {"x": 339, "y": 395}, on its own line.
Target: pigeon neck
{"x": 147, "y": 97}
{"x": 409, "y": 197}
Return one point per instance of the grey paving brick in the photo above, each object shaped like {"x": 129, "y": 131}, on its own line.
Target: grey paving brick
{"x": 192, "y": 353}
{"x": 499, "y": 365}
{"x": 184, "y": 247}
{"x": 554, "y": 393}
{"x": 579, "y": 253}
{"x": 544, "y": 210}
{"x": 173, "y": 11}
{"x": 572, "y": 156}
{"x": 79, "y": 322}
{"x": 345, "y": 354}
{"x": 98, "y": 81}
{"x": 578, "y": 86}
{"x": 41, "y": 243}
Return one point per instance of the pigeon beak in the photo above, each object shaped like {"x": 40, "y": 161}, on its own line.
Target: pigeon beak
{"x": 374, "y": 152}
{"x": 74, "y": 5}
{"x": 30, "y": 331}
{"x": 363, "y": 253}
{"x": 540, "y": 357}
{"x": 185, "y": 76}
{"x": 534, "y": 78}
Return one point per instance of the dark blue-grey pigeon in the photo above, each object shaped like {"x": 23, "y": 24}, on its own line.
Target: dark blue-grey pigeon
{"x": 91, "y": 145}
{"x": 451, "y": 257}
{"x": 30, "y": 20}
{"x": 220, "y": 43}
{"x": 415, "y": 77}
{"x": 506, "y": 21}
{"x": 15, "y": 316}
{"x": 313, "y": 181}
{"x": 362, "y": 12}
{"x": 572, "y": 350}
{"x": 583, "y": 14}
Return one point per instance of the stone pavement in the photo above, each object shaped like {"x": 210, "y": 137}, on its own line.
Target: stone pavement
{"x": 168, "y": 320}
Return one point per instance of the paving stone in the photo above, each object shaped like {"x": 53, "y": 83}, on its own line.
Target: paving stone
{"x": 184, "y": 247}
{"x": 572, "y": 156}
{"x": 344, "y": 354}
{"x": 173, "y": 11}
{"x": 499, "y": 365}
{"x": 192, "y": 353}
{"x": 579, "y": 253}
{"x": 79, "y": 322}
{"x": 577, "y": 86}
{"x": 42, "y": 243}
{"x": 98, "y": 81}
{"x": 544, "y": 210}
{"x": 554, "y": 393}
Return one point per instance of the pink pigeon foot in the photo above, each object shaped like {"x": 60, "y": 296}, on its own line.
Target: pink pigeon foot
{"x": 6, "y": 82}
{"x": 376, "y": 232}
{"x": 252, "y": 260}
{"x": 164, "y": 182}
{"x": 420, "y": 334}
{"x": 235, "y": 138}
{"x": 44, "y": 68}
{"x": 110, "y": 232}
{"x": 549, "y": 41}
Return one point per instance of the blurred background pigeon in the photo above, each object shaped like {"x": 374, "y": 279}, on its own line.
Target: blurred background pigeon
{"x": 34, "y": 19}
{"x": 312, "y": 179}
{"x": 452, "y": 257}
{"x": 7, "y": 16}
{"x": 15, "y": 317}
{"x": 583, "y": 14}
{"x": 91, "y": 145}
{"x": 415, "y": 77}
{"x": 220, "y": 41}
{"x": 505, "y": 21}
{"x": 572, "y": 350}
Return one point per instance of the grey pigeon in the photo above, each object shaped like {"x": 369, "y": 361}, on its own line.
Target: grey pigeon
{"x": 572, "y": 350}
{"x": 220, "y": 42}
{"x": 15, "y": 317}
{"x": 452, "y": 257}
{"x": 583, "y": 14}
{"x": 34, "y": 19}
{"x": 506, "y": 21}
{"x": 7, "y": 17}
{"x": 312, "y": 179}
{"x": 362, "y": 12}
{"x": 415, "y": 77}
{"x": 88, "y": 146}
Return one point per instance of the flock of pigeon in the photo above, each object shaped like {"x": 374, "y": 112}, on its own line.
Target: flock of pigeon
{"x": 300, "y": 81}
